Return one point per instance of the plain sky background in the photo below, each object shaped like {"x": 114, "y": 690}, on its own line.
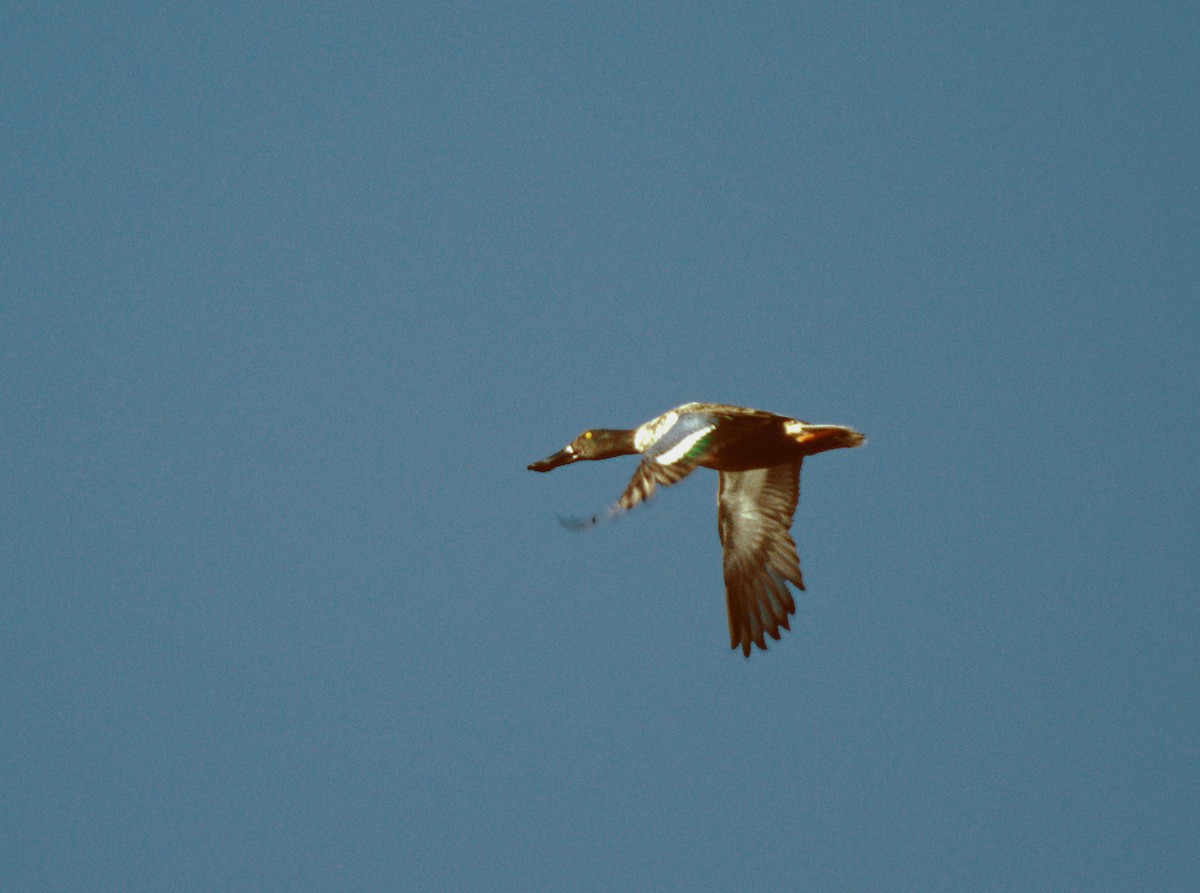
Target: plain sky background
{"x": 291, "y": 294}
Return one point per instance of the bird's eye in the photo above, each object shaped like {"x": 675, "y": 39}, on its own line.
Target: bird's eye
{"x": 587, "y": 435}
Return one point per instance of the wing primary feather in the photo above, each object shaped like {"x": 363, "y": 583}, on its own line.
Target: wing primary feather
{"x": 755, "y": 509}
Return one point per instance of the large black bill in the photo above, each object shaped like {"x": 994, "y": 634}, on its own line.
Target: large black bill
{"x": 562, "y": 457}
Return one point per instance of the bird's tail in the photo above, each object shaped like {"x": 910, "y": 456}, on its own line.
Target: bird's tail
{"x": 819, "y": 438}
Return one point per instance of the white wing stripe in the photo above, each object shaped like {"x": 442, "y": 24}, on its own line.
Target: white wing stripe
{"x": 677, "y": 452}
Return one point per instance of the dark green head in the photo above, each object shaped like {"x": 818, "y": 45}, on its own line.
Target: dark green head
{"x": 599, "y": 443}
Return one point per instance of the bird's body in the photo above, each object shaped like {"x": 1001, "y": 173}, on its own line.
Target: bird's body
{"x": 758, "y": 455}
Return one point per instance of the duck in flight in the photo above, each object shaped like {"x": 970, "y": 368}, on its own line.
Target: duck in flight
{"x": 758, "y": 455}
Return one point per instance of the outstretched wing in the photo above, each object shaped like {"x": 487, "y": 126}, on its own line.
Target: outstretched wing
{"x": 649, "y": 475}
{"x": 754, "y": 514}
{"x": 669, "y": 459}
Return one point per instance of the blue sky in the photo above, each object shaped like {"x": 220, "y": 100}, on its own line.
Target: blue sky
{"x": 291, "y": 297}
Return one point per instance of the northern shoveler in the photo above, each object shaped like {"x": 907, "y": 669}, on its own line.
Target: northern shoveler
{"x": 758, "y": 455}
